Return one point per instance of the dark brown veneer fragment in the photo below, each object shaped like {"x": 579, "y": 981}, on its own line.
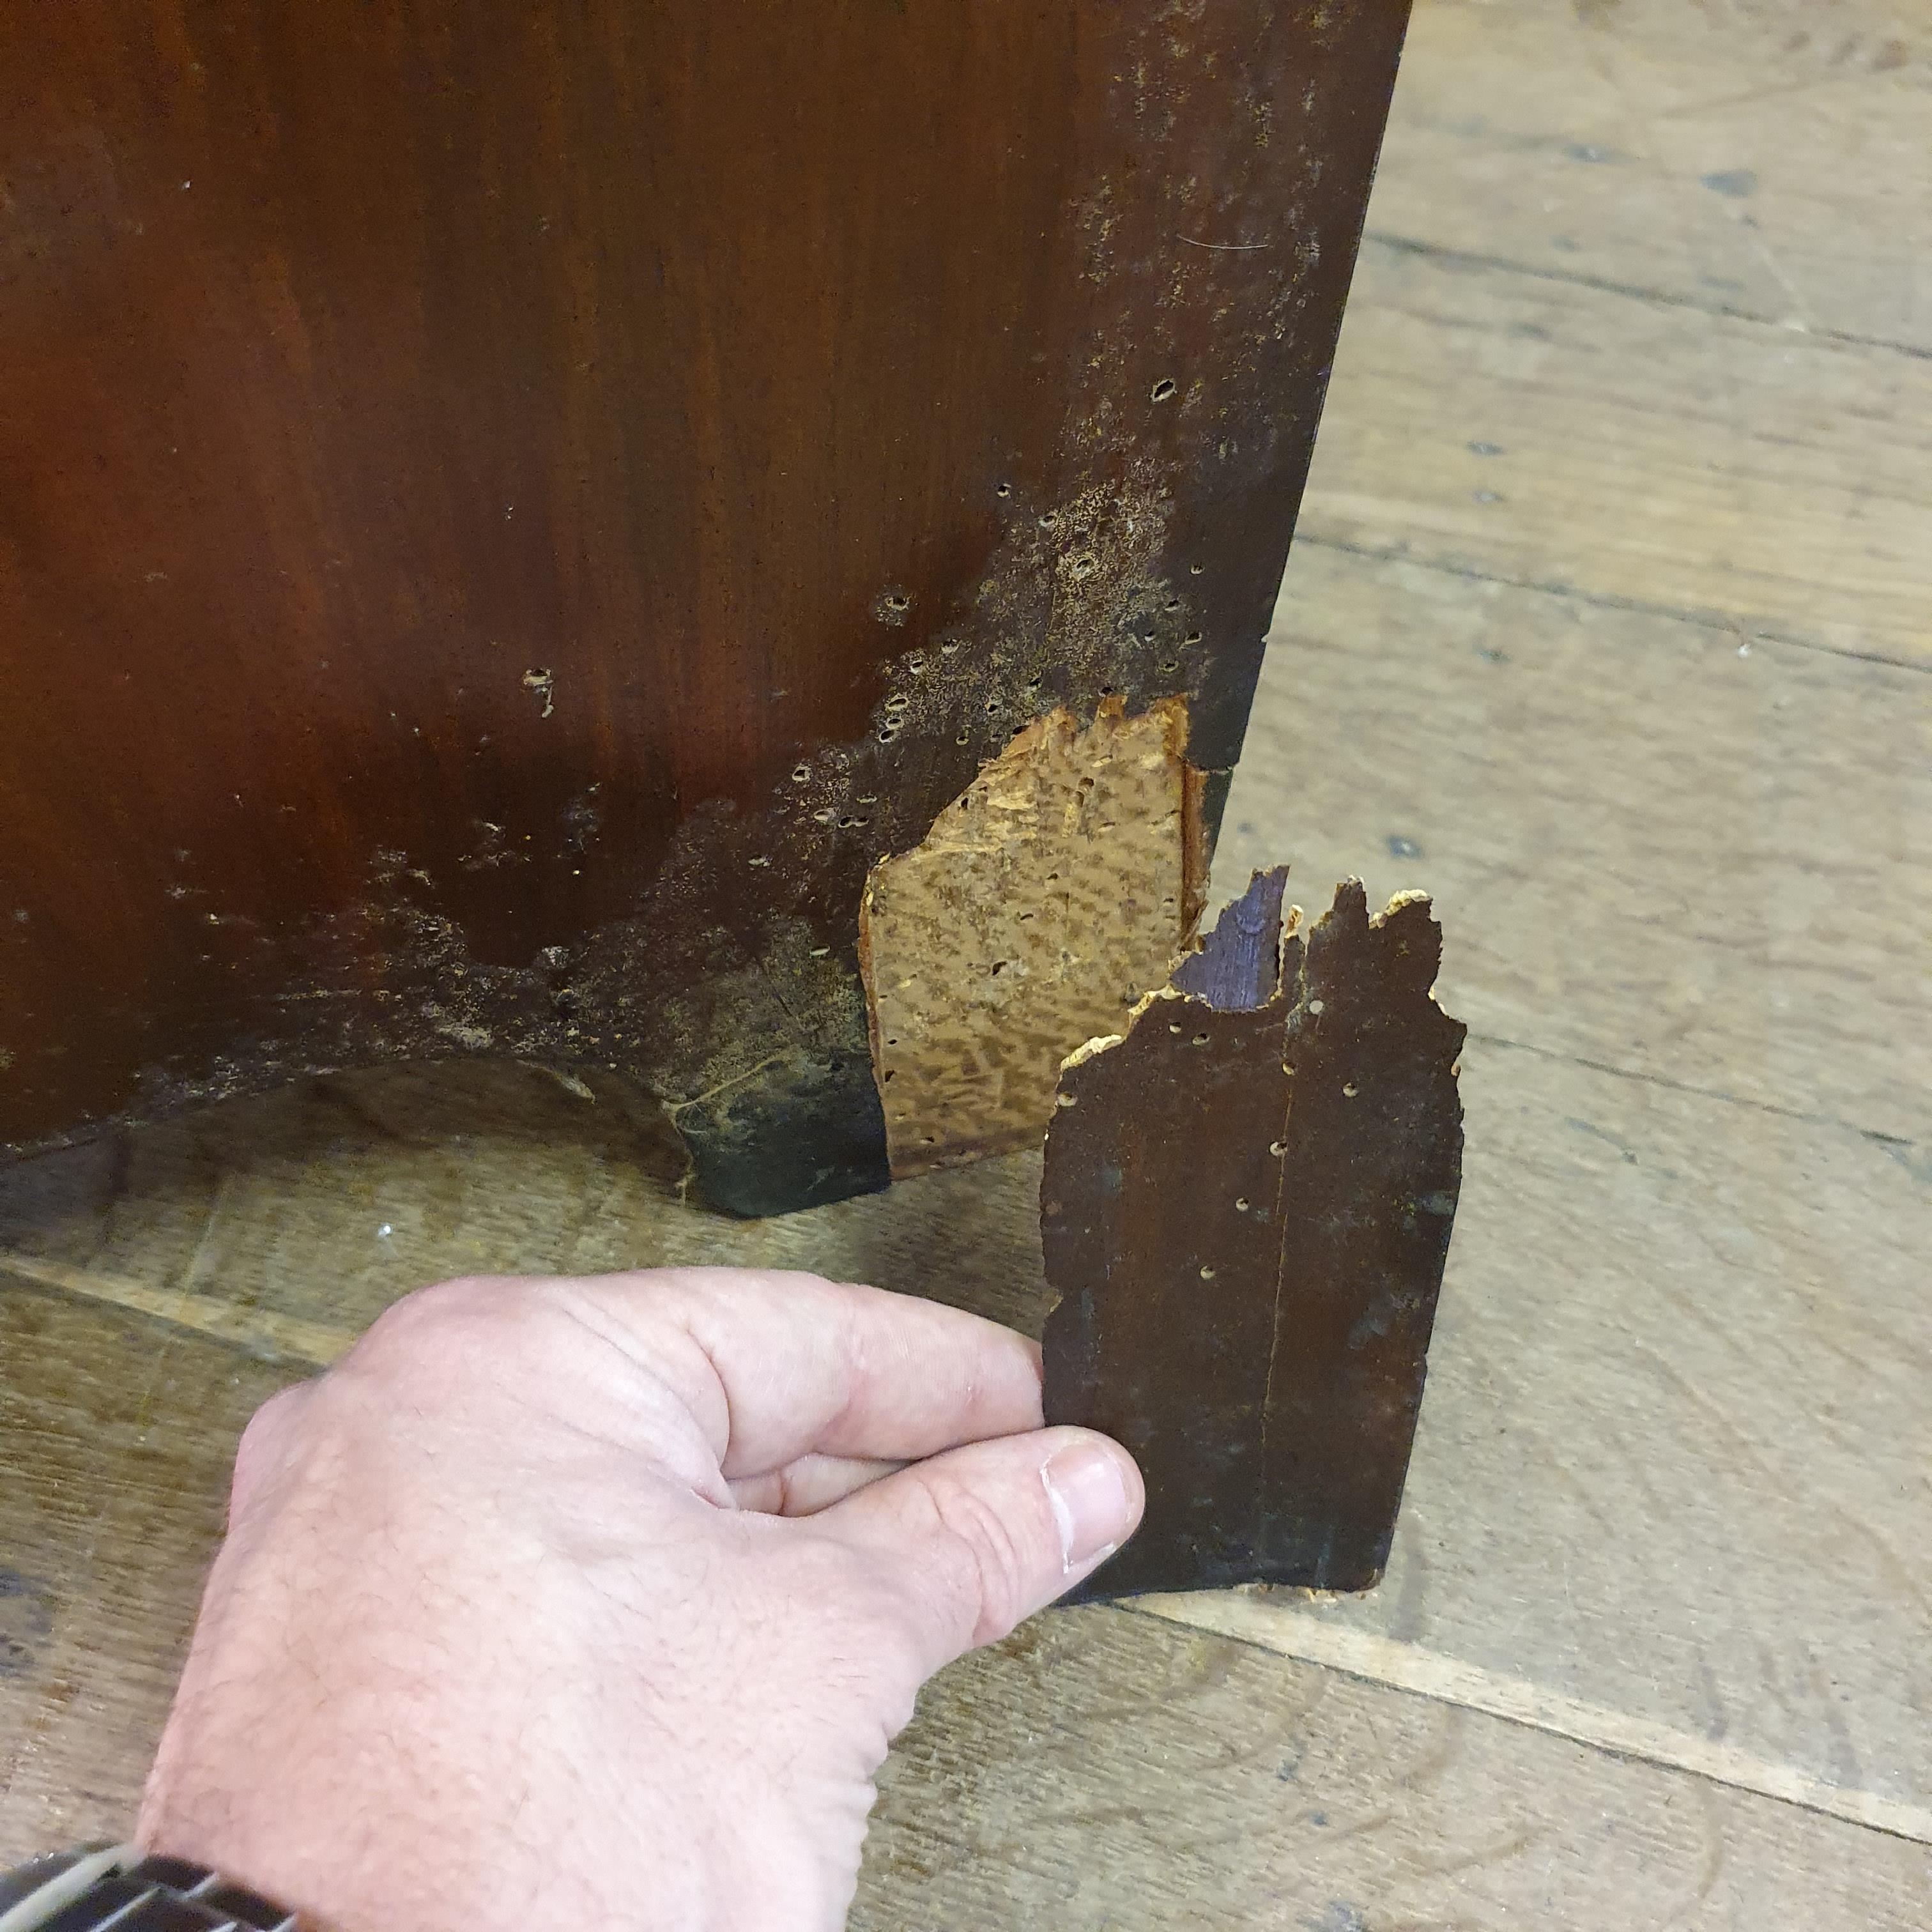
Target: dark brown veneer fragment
{"x": 1246, "y": 1208}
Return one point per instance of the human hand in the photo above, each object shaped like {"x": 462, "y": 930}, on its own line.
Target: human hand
{"x": 596, "y": 1603}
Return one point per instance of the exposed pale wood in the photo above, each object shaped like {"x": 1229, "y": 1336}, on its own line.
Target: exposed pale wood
{"x": 1767, "y": 158}
{"x": 1052, "y": 893}
{"x": 1772, "y": 482}
{"x": 1645, "y": 849}
{"x": 1093, "y": 1774}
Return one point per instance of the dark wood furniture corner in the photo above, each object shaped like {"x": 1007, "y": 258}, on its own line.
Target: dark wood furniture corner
{"x": 509, "y": 512}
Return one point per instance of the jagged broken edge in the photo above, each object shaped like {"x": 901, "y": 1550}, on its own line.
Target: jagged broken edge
{"x": 1290, "y": 936}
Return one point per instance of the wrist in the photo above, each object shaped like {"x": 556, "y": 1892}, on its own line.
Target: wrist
{"x": 124, "y": 1889}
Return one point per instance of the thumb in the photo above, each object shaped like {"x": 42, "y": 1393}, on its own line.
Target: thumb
{"x": 973, "y": 1541}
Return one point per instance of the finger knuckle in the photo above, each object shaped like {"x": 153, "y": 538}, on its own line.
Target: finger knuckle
{"x": 264, "y": 1440}
{"x": 437, "y": 1328}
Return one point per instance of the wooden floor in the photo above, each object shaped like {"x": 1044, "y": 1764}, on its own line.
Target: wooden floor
{"x": 1610, "y": 621}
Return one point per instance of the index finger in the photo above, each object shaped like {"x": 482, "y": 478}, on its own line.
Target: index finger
{"x": 778, "y": 1366}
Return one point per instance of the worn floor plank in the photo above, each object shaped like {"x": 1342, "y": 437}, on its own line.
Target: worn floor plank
{"x": 116, "y": 1435}
{"x": 1255, "y": 1618}
{"x": 1647, "y": 850}
{"x": 1769, "y": 483}
{"x": 1766, "y": 159}
{"x": 320, "y": 1206}
{"x": 1089, "y": 1774}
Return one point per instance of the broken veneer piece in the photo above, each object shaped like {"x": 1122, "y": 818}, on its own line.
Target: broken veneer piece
{"x": 1246, "y": 1210}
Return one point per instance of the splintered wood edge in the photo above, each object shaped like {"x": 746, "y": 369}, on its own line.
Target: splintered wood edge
{"x": 1292, "y": 917}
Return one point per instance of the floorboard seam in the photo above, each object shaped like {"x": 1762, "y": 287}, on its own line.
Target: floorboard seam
{"x": 1749, "y": 631}
{"x": 1436, "y": 251}
{"x": 1892, "y": 1143}
{"x": 1408, "y": 1667}
{"x": 309, "y": 1344}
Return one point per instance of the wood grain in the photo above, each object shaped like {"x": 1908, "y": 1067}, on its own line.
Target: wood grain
{"x": 322, "y": 1205}
{"x": 116, "y": 1434}
{"x": 1679, "y": 1363}
{"x": 1672, "y": 1456}
{"x": 1253, "y": 1618}
{"x": 1097, "y": 1768}
{"x": 1767, "y": 160}
{"x": 1046, "y": 900}
{"x": 1647, "y": 849}
{"x": 1094, "y": 1774}
{"x": 1758, "y": 481}
{"x": 1245, "y": 1205}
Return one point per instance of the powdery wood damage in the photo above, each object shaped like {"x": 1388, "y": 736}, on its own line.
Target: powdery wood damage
{"x": 1046, "y": 897}
{"x": 1245, "y": 1209}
